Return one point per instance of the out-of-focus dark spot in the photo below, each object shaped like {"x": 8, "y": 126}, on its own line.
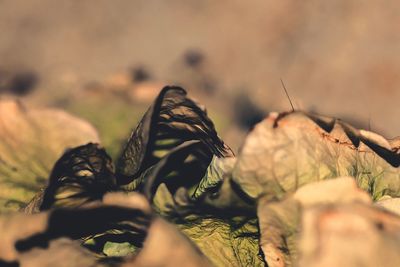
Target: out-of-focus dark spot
{"x": 380, "y": 226}
{"x": 140, "y": 74}
{"x": 193, "y": 58}
{"x": 93, "y": 86}
{"x": 246, "y": 113}
{"x": 17, "y": 83}
{"x": 9, "y": 263}
{"x": 23, "y": 83}
{"x": 3, "y": 75}
{"x": 62, "y": 102}
{"x": 209, "y": 85}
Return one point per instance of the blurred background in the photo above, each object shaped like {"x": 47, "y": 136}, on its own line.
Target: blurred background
{"x": 106, "y": 60}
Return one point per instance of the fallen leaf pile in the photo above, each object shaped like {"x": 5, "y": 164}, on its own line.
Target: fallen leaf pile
{"x": 304, "y": 190}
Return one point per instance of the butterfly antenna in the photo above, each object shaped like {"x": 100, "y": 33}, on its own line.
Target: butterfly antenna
{"x": 286, "y": 92}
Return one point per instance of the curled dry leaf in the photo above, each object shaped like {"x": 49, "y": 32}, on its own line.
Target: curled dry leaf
{"x": 31, "y": 140}
{"x": 280, "y": 221}
{"x": 175, "y": 168}
{"x": 289, "y": 150}
{"x": 172, "y": 120}
{"x": 82, "y": 175}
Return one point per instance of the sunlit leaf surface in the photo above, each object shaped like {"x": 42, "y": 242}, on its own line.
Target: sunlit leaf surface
{"x": 31, "y": 140}
{"x": 304, "y": 190}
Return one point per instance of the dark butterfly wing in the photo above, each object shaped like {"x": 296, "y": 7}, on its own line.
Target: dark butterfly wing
{"x": 81, "y": 175}
{"x": 170, "y": 121}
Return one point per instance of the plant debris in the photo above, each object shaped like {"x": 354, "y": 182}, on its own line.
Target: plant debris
{"x": 301, "y": 192}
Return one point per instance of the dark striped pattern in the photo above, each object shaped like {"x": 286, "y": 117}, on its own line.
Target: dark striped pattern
{"x": 172, "y": 120}
{"x": 81, "y": 175}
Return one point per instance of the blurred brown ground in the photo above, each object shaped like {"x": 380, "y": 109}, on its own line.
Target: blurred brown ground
{"x": 337, "y": 58}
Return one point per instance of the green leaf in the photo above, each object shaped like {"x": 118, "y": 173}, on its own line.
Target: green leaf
{"x": 112, "y": 249}
{"x": 226, "y": 238}
{"x": 226, "y": 242}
